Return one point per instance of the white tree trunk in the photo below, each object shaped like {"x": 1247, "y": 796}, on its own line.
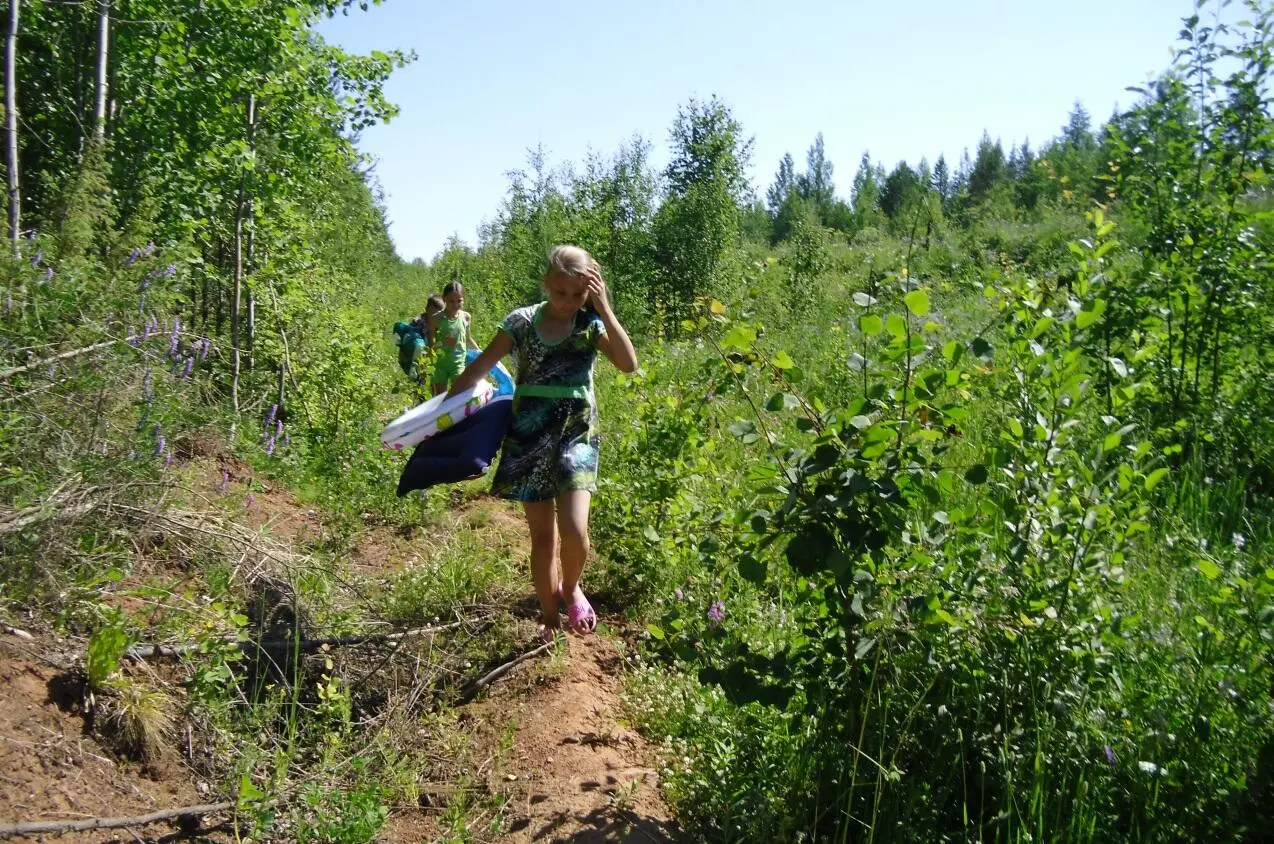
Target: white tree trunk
{"x": 103, "y": 51}
{"x": 11, "y": 123}
{"x": 237, "y": 302}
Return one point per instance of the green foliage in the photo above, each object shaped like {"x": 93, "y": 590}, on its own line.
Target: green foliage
{"x": 341, "y": 817}
{"x": 696, "y": 226}
{"x": 953, "y": 573}
{"x": 903, "y": 188}
{"x": 988, "y": 169}
{"x": 86, "y": 211}
{"x": 1201, "y": 300}
{"x": 105, "y": 649}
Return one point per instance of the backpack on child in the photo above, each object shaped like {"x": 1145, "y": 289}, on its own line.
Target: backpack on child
{"x": 411, "y": 343}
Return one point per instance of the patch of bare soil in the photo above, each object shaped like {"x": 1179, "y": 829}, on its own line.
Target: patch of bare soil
{"x": 51, "y": 769}
{"x": 572, "y": 771}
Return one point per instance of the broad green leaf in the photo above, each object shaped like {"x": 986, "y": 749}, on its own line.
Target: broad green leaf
{"x": 917, "y": 301}
{"x": 1016, "y": 428}
{"x": 1209, "y": 569}
{"x": 896, "y": 325}
{"x": 870, "y": 324}
{"x": 781, "y": 401}
{"x": 1087, "y": 317}
{"x": 739, "y": 338}
{"x": 1153, "y": 479}
{"x": 1042, "y": 325}
{"x": 745, "y": 430}
{"x": 248, "y": 789}
{"x": 782, "y": 360}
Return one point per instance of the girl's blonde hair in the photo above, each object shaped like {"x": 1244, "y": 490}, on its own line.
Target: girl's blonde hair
{"x": 570, "y": 260}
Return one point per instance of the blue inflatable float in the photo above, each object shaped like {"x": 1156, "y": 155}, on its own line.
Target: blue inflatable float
{"x": 467, "y": 448}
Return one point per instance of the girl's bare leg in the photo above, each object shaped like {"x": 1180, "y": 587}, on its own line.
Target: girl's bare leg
{"x": 544, "y": 572}
{"x": 572, "y": 524}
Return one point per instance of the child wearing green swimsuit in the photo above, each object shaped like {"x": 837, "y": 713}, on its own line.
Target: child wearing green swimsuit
{"x": 451, "y": 339}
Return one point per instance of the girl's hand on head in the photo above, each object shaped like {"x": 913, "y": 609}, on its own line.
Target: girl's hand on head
{"x": 597, "y": 293}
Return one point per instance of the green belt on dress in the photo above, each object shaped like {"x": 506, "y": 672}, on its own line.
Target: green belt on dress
{"x": 555, "y": 391}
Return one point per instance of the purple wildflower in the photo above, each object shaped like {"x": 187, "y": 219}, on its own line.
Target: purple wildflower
{"x": 160, "y": 443}
{"x": 287, "y": 440}
{"x": 48, "y": 275}
{"x": 171, "y": 269}
{"x": 269, "y": 417}
{"x": 148, "y": 391}
{"x": 8, "y": 305}
{"x": 225, "y": 481}
{"x": 269, "y": 447}
{"x": 133, "y": 256}
{"x": 278, "y": 428}
{"x": 150, "y": 248}
{"x": 203, "y": 349}
{"x": 39, "y": 256}
{"x": 678, "y": 594}
{"x": 174, "y": 340}
{"x": 716, "y": 613}
{"x": 168, "y": 459}
{"x": 188, "y": 368}
{"x": 247, "y": 502}
{"x": 1110, "y": 756}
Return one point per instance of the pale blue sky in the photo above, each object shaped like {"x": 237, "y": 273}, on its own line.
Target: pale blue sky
{"x": 901, "y": 79}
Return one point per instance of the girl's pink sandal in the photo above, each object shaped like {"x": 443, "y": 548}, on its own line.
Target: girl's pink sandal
{"x": 580, "y": 617}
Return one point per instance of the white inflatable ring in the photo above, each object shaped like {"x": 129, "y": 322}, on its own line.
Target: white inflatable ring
{"x": 438, "y": 414}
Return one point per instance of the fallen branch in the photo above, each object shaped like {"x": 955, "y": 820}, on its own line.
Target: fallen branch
{"x": 140, "y": 652}
{"x": 13, "y": 521}
{"x": 38, "y": 827}
{"x": 498, "y": 672}
{"x": 6, "y": 374}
